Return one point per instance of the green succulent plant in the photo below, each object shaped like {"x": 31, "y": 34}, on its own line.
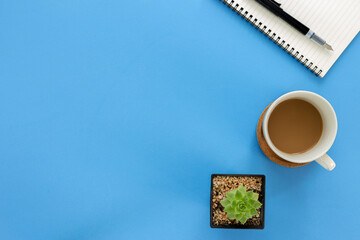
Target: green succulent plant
{"x": 240, "y": 204}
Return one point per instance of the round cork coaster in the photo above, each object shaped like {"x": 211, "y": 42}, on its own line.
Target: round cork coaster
{"x": 267, "y": 150}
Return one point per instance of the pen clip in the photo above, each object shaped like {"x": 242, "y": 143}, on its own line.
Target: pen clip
{"x": 276, "y": 3}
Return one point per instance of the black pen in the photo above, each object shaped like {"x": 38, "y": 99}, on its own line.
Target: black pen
{"x": 275, "y": 8}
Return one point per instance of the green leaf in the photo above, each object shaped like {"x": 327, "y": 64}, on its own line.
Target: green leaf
{"x": 242, "y": 189}
{"x": 248, "y": 215}
{"x": 256, "y": 204}
{"x": 231, "y": 215}
{"x": 239, "y": 215}
{"x": 255, "y": 196}
{"x": 249, "y": 195}
{"x": 229, "y": 209}
{"x": 238, "y": 195}
{"x": 234, "y": 203}
{"x": 253, "y": 212}
{"x": 230, "y": 194}
{"x": 225, "y": 202}
{"x": 243, "y": 219}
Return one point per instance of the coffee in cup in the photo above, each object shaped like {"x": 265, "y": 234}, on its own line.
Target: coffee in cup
{"x": 295, "y": 126}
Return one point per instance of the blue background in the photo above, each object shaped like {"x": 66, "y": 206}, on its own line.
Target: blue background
{"x": 114, "y": 114}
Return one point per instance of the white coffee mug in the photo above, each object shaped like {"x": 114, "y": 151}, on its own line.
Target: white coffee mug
{"x": 318, "y": 152}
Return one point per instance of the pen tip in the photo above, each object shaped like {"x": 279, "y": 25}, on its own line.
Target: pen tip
{"x": 327, "y": 46}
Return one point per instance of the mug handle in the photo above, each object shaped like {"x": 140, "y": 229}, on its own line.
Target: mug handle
{"x": 326, "y": 162}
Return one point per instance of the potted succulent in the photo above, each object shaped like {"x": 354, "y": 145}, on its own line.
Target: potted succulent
{"x": 237, "y": 201}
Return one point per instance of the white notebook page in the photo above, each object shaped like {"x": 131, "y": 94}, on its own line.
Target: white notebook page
{"x": 336, "y": 21}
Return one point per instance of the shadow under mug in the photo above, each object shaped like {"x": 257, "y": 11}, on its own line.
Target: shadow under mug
{"x": 318, "y": 152}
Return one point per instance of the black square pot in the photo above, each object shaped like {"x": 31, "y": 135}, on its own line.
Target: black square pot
{"x": 215, "y": 206}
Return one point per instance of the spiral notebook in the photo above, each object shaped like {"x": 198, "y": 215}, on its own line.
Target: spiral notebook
{"x": 337, "y": 21}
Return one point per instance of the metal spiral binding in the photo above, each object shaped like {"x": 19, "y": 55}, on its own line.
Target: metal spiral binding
{"x": 254, "y": 21}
